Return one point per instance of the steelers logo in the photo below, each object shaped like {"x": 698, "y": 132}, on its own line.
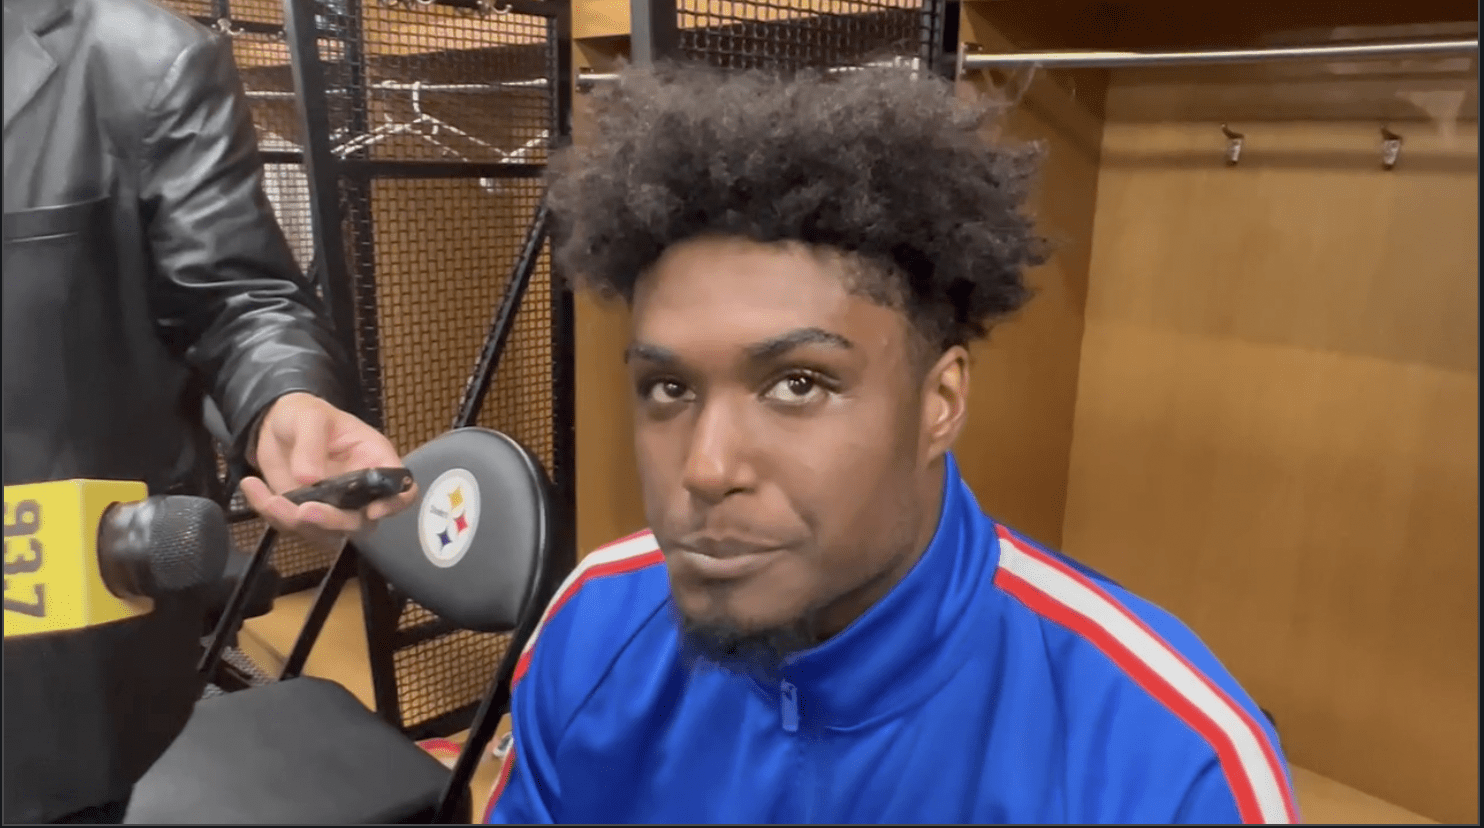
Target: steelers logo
{"x": 449, "y": 517}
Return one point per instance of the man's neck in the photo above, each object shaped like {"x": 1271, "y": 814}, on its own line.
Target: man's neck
{"x": 842, "y": 612}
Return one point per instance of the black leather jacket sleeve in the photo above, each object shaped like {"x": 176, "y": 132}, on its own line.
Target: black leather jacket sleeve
{"x": 227, "y": 292}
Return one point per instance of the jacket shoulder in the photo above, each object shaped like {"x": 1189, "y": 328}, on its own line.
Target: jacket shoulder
{"x": 600, "y": 607}
{"x": 141, "y": 30}
{"x": 131, "y": 46}
{"x": 138, "y": 54}
{"x": 1176, "y": 702}
{"x": 146, "y": 27}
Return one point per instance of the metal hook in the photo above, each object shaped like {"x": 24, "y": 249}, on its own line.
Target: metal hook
{"x": 1016, "y": 85}
{"x": 224, "y": 25}
{"x": 1024, "y": 86}
{"x": 501, "y": 8}
{"x": 1233, "y": 145}
{"x": 1391, "y": 148}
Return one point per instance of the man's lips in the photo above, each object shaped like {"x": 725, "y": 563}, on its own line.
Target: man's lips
{"x": 726, "y": 547}
{"x": 725, "y": 559}
{"x": 729, "y": 568}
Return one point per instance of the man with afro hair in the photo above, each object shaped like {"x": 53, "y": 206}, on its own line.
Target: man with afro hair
{"x": 820, "y": 624}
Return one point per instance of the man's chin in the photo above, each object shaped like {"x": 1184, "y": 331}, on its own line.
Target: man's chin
{"x": 748, "y": 649}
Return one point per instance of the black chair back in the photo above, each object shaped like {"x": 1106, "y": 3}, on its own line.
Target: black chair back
{"x": 477, "y": 550}
{"x": 475, "y": 547}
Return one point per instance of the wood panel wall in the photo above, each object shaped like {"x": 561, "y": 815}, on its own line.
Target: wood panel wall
{"x": 1276, "y": 423}
{"x": 1016, "y": 445}
{"x": 609, "y": 505}
{"x": 608, "y": 502}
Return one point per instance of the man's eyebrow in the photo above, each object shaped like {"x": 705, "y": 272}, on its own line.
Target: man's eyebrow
{"x": 780, "y": 345}
{"x": 649, "y": 353}
{"x": 756, "y": 352}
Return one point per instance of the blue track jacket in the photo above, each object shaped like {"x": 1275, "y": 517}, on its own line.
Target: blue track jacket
{"x": 998, "y": 682}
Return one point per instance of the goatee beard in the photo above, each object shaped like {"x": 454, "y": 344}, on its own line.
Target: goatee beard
{"x": 759, "y": 654}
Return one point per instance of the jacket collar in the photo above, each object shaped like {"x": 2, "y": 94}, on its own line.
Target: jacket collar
{"x": 28, "y": 63}
{"x": 906, "y": 646}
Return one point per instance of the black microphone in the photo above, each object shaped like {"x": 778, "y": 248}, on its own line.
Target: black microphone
{"x": 104, "y": 604}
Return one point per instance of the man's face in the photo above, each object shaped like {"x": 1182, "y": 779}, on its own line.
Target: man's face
{"x": 784, "y": 435}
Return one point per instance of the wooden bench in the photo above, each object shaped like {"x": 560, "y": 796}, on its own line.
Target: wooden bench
{"x": 1323, "y": 801}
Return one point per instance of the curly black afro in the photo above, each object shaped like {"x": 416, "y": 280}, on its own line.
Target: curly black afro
{"x": 881, "y": 163}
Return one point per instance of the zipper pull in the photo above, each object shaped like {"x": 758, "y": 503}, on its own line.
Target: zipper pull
{"x": 790, "y": 705}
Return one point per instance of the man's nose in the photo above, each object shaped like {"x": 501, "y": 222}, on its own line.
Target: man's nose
{"x": 716, "y": 464}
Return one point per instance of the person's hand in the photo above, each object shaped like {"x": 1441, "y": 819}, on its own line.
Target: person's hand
{"x": 303, "y": 440}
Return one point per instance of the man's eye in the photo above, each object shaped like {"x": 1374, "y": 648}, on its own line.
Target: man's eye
{"x": 667, "y": 391}
{"x": 795, "y": 389}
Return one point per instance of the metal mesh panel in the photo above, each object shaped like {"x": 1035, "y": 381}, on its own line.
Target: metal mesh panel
{"x": 444, "y": 249}
{"x": 262, "y": 57}
{"x": 790, "y": 35}
{"x": 453, "y": 672}
{"x": 300, "y": 565}
{"x": 192, "y": 8}
{"x": 287, "y": 187}
{"x": 436, "y": 82}
{"x": 463, "y": 87}
{"x": 430, "y": 252}
{"x": 443, "y": 253}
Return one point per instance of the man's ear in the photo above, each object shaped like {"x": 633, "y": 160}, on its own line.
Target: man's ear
{"x": 945, "y": 402}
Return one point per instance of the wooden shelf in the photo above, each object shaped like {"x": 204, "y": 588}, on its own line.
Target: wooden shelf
{"x": 1154, "y": 24}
